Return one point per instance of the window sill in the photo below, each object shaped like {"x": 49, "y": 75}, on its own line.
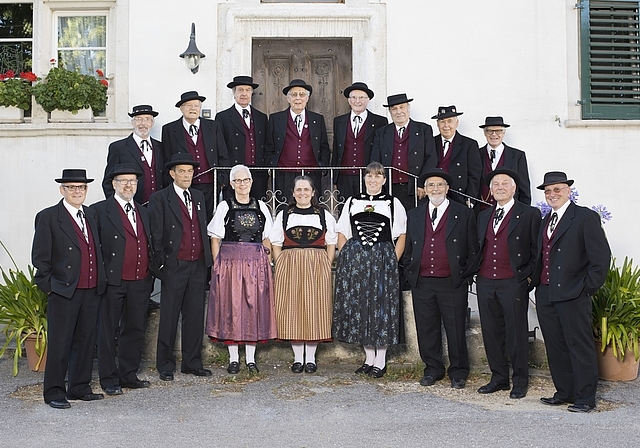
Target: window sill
{"x": 601, "y": 123}
{"x": 98, "y": 127}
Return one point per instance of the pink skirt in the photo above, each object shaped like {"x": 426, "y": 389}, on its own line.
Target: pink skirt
{"x": 241, "y": 303}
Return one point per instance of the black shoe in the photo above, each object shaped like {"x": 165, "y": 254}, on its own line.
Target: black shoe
{"x": 166, "y": 376}
{"x": 428, "y": 380}
{"x": 234, "y": 367}
{"x": 580, "y": 407}
{"x": 61, "y": 403}
{"x": 87, "y": 397}
{"x": 137, "y": 384}
{"x": 365, "y": 369}
{"x": 518, "y": 392}
{"x": 113, "y": 390}
{"x": 552, "y": 401}
{"x": 200, "y": 371}
{"x": 310, "y": 367}
{"x": 458, "y": 383}
{"x": 253, "y": 368}
{"x": 377, "y": 372}
{"x": 492, "y": 387}
{"x": 297, "y": 367}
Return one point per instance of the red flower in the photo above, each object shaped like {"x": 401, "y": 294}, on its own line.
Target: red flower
{"x": 104, "y": 82}
{"x": 2, "y": 77}
{"x": 52, "y": 61}
{"x": 10, "y": 74}
{"x": 29, "y": 76}
{"x": 100, "y": 73}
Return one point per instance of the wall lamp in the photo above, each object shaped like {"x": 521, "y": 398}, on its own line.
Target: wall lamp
{"x": 192, "y": 55}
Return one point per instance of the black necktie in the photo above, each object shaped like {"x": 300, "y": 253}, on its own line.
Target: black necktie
{"x": 187, "y": 200}
{"x": 298, "y": 122}
{"x": 434, "y": 215}
{"x": 128, "y": 208}
{"x": 80, "y": 215}
{"x": 445, "y": 147}
{"x": 401, "y": 131}
{"x": 553, "y": 222}
{"x": 193, "y": 130}
{"x": 245, "y": 113}
{"x": 498, "y": 217}
{"x": 357, "y": 120}
{"x": 492, "y": 155}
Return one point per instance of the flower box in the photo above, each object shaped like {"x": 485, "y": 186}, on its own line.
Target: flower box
{"x": 11, "y": 114}
{"x": 65, "y": 116}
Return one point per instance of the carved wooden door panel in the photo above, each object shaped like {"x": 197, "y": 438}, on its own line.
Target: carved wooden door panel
{"x": 325, "y": 64}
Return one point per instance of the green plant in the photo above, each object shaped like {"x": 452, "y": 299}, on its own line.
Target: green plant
{"x": 66, "y": 90}
{"x": 23, "y": 311}
{"x": 16, "y": 90}
{"x": 616, "y": 310}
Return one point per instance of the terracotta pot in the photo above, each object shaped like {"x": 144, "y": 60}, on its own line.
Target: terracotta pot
{"x": 611, "y": 368}
{"x": 32, "y": 356}
{"x": 64, "y": 116}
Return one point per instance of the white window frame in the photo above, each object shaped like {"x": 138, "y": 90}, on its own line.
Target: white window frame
{"x": 67, "y": 13}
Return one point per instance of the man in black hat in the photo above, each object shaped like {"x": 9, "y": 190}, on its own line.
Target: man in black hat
{"x": 407, "y": 145}
{"x": 297, "y": 137}
{"x": 66, "y": 254}
{"x": 244, "y": 129}
{"x": 507, "y": 259}
{"x": 457, "y": 155}
{"x": 495, "y": 154}
{"x": 203, "y": 139}
{"x": 441, "y": 247}
{"x": 125, "y": 234}
{"x": 353, "y": 135}
{"x": 182, "y": 253}
{"x": 574, "y": 262}
{"x": 141, "y": 150}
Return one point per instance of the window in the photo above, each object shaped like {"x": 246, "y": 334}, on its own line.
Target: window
{"x": 610, "y": 59}
{"x": 82, "y": 43}
{"x": 16, "y": 37}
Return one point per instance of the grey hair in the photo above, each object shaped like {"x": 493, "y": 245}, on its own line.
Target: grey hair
{"x": 308, "y": 93}
{"x": 235, "y": 169}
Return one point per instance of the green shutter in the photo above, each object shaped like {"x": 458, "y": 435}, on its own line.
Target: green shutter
{"x": 610, "y": 53}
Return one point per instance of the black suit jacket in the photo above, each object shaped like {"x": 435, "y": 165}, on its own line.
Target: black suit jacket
{"x": 56, "y": 251}
{"x": 522, "y": 239}
{"x": 580, "y": 255}
{"x": 277, "y": 129}
{"x": 515, "y": 160}
{"x": 461, "y": 242}
{"x": 465, "y": 166}
{"x": 113, "y": 237}
{"x": 232, "y": 125}
{"x": 127, "y": 151}
{"x": 340, "y": 124}
{"x": 166, "y": 226}
{"x": 422, "y": 149}
{"x": 174, "y": 142}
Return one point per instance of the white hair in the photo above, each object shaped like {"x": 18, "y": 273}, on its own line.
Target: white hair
{"x": 235, "y": 169}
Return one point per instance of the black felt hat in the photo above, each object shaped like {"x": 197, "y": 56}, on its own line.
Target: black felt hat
{"x": 435, "y": 172}
{"x": 397, "y": 99}
{"x": 358, "y": 86}
{"x": 181, "y": 158}
{"x": 446, "y": 112}
{"x": 124, "y": 168}
{"x": 555, "y": 177}
{"x": 74, "y": 175}
{"x": 188, "y": 96}
{"x": 502, "y": 170}
{"x": 242, "y": 81}
{"x": 494, "y": 121}
{"x": 143, "y": 109}
{"x": 297, "y": 83}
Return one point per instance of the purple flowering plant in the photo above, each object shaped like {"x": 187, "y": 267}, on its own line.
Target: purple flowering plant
{"x": 600, "y": 209}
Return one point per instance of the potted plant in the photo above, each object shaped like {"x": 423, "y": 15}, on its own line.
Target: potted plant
{"x": 15, "y": 95}
{"x": 23, "y": 313}
{"x": 616, "y": 322}
{"x": 71, "y": 91}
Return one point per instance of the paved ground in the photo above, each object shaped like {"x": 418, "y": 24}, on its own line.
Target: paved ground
{"x": 331, "y": 408}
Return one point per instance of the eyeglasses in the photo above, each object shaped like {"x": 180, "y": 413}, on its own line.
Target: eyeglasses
{"x": 246, "y": 180}
{"x": 438, "y": 185}
{"x": 297, "y": 94}
{"x": 494, "y": 131}
{"x": 358, "y": 98}
{"x": 75, "y": 187}
{"x": 127, "y": 181}
{"x": 555, "y": 190}
{"x": 143, "y": 119}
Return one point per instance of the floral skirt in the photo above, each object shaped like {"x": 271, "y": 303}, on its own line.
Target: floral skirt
{"x": 241, "y": 301}
{"x": 303, "y": 295}
{"x": 366, "y": 299}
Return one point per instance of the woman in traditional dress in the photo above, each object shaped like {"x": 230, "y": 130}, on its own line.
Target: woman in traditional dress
{"x": 371, "y": 237}
{"x": 304, "y": 243}
{"x": 241, "y": 302}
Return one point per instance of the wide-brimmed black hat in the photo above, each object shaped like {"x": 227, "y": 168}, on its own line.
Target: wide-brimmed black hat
{"x": 435, "y": 172}
{"x": 181, "y": 158}
{"x": 446, "y": 112}
{"x": 297, "y": 83}
{"x": 358, "y": 86}
{"x": 124, "y": 168}
{"x": 74, "y": 175}
{"x": 555, "y": 177}
{"x": 494, "y": 121}
{"x": 143, "y": 109}
{"x": 502, "y": 170}
{"x": 242, "y": 81}
{"x": 397, "y": 99}
{"x": 188, "y": 96}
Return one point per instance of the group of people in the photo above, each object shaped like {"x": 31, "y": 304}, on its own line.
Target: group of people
{"x": 469, "y": 216}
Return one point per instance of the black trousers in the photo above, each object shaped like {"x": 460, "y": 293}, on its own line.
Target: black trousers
{"x": 209, "y": 194}
{"x": 71, "y": 330}
{"x": 503, "y": 306}
{"x": 183, "y": 292}
{"x": 435, "y": 303}
{"x": 124, "y": 307}
{"x": 571, "y": 351}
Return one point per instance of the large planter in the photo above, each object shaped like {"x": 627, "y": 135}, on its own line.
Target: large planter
{"x": 32, "y": 355}
{"x": 65, "y": 116}
{"x": 11, "y": 114}
{"x": 611, "y": 368}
